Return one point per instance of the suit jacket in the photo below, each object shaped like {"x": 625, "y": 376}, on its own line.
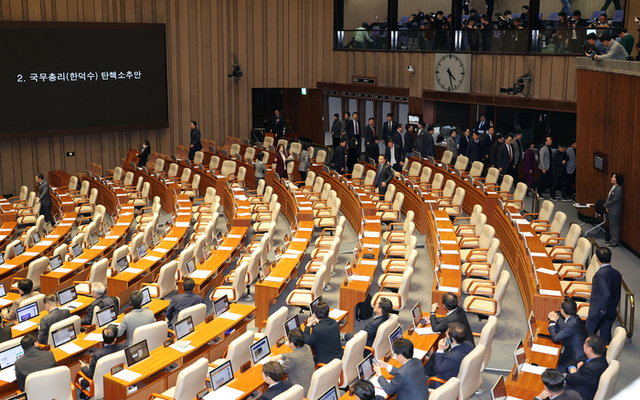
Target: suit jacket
{"x": 101, "y": 302}
{"x": 518, "y": 150}
{"x": 503, "y": 158}
{"x": 388, "y": 128}
{"x": 572, "y": 333}
{"x": 277, "y": 124}
{"x": 458, "y": 315}
{"x": 571, "y": 160}
{"x": 464, "y": 142}
{"x": 558, "y": 167}
{"x": 544, "y": 158}
{"x": 487, "y": 143}
{"x": 34, "y": 360}
{"x": 104, "y": 351}
{"x": 195, "y": 139}
{"x": 281, "y": 164}
{"x": 397, "y": 139}
{"x": 372, "y": 328}
{"x": 493, "y": 154}
{"x": 275, "y": 390}
{"x": 370, "y": 135}
{"x": 384, "y": 175}
{"x": 397, "y": 152}
{"x": 605, "y": 292}
{"x": 299, "y": 367}
{"x": 568, "y": 394}
{"x": 325, "y": 339}
{"x": 336, "y": 129}
{"x": 144, "y": 154}
{"x": 448, "y": 363}
{"x": 338, "y": 159}
{"x": 180, "y": 302}
{"x": 351, "y": 130}
{"x": 43, "y": 194}
{"x": 409, "y": 381}
{"x": 135, "y": 319}
{"x": 614, "y": 201}
{"x": 482, "y": 126}
{"x": 56, "y": 315}
{"x": 452, "y": 146}
{"x": 585, "y": 381}
{"x": 408, "y": 142}
{"x": 424, "y": 144}
{"x": 474, "y": 151}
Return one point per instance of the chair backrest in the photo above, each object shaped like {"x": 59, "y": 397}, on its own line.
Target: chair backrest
{"x": 617, "y": 344}
{"x": 592, "y": 269}
{"x": 448, "y": 391}
{"x": 36, "y": 268}
{"x": 228, "y": 168}
{"x": 398, "y": 201}
{"x": 191, "y": 380}
{"x": 405, "y": 284}
{"x": 470, "y": 372}
{"x": 249, "y": 153}
{"x": 507, "y": 183}
{"x": 582, "y": 252}
{"x": 381, "y": 343}
{"x": 391, "y": 192}
{"x": 318, "y": 184}
{"x": 238, "y": 350}
{"x": 159, "y": 166}
{"x": 52, "y": 383}
{"x": 98, "y": 272}
{"x": 136, "y": 241}
{"x": 370, "y": 177}
{"x": 447, "y": 157}
{"x": 425, "y": 175}
{"x": 335, "y": 207}
{"x": 166, "y": 278}
{"x": 235, "y": 149}
{"x": 197, "y": 312}
{"x": 61, "y": 251}
{"x": 493, "y": 174}
{"x": 486, "y": 339}
{"x": 321, "y": 156}
{"x": 353, "y": 355}
{"x": 608, "y": 381}
{"x": 449, "y": 188}
{"x": 296, "y": 392}
{"x": 274, "y": 329}
{"x": 475, "y": 214}
{"x": 324, "y": 378}
{"x": 173, "y": 171}
{"x": 458, "y": 197}
{"x": 546, "y": 211}
{"x": 558, "y": 222}
{"x": 39, "y": 298}
{"x": 575, "y": 232}
{"x": 214, "y": 162}
{"x": 476, "y": 169}
{"x": 319, "y": 279}
{"x": 117, "y": 254}
{"x": 240, "y": 278}
{"x": 198, "y": 158}
{"x": 501, "y": 290}
{"x": 521, "y": 191}
{"x": 357, "y": 172}
{"x": 74, "y": 319}
{"x": 155, "y": 334}
{"x": 103, "y": 367}
{"x": 487, "y": 233}
{"x": 415, "y": 169}
{"x": 461, "y": 163}
{"x": 497, "y": 264}
{"x": 254, "y": 266}
{"x": 10, "y": 343}
{"x": 128, "y": 179}
{"x": 10, "y": 251}
{"x": 186, "y": 174}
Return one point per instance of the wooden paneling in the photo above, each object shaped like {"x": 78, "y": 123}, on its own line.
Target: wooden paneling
{"x": 304, "y": 113}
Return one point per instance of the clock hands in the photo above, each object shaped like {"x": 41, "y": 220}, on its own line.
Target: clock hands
{"x": 451, "y": 78}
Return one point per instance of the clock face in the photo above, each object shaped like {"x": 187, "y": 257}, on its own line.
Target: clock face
{"x": 450, "y": 72}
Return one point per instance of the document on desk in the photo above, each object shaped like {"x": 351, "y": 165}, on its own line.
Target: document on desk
{"x": 546, "y": 271}
{"x": 71, "y": 348}
{"x": 450, "y": 266}
{"x": 171, "y": 239}
{"x": 234, "y": 236}
{"x": 99, "y": 247}
{"x": 300, "y": 240}
{"x": 539, "y": 348}
{"x": 133, "y": 270}
{"x": 45, "y": 243}
{"x": 536, "y": 254}
{"x": 112, "y": 237}
{"x": 448, "y": 289}
{"x": 449, "y": 252}
{"x": 152, "y": 258}
{"x": 372, "y": 234}
{"x": 521, "y": 221}
{"x": 424, "y": 331}
{"x": 305, "y": 229}
{"x": 183, "y": 224}
{"x": 224, "y": 393}
{"x": 369, "y": 262}
{"x": 161, "y": 250}
{"x": 8, "y": 374}
{"x": 183, "y": 349}
{"x": 5, "y": 302}
{"x": 274, "y": 279}
{"x": 225, "y": 248}
{"x": 7, "y": 266}
{"x": 23, "y": 326}
{"x": 361, "y": 278}
{"x": 419, "y": 353}
{"x": 94, "y": 337}
{"x": 527, "y": 234}
{"x": 448, "y": 242}
{"x": 547, "y": 292}
{"x": 200, "y": 274}
{"x": 80, "y": 260}
{"x": 371, "y": 245}
{"x": 533, "y": 369}
{"x": 336, "y": 314}
{"x": 127, "y": 376}
{"x": 231, "y": 316}
{"x": 30, "y": 253}
{"x": 63, "y": 270}
{"x": 61, "y": 224}
{"x": 72, "y": 305}
{"x": 289, "y": 255}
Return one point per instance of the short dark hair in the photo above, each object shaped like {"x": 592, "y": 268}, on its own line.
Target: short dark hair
{"x": 27, "y": 342}
{"x": 385, "y": 305}
{"x": 336, "y": 115}
{"x": 517, "y": 19}
{"x": 365, "y": 25}
{"x": 109, "y": 335}
{"x": 364, "y": 390}
{"x": 528, "y": 144}
{"x": 347, "y": 113}
{"x": 51, "y": 299}
{"x": 305, "y": 146}
{"x": 622, "y": 30}
{"x": 135, "y": 298}
{"x": 403, "y": 347}
{"x": 525, "y": 7}
{"x": 399, "y": 126}
{"x": 430, "y": 128}
{"x": 390, "y": 115}
{"x": 26, "y": 285}
{"x": 597, "y": 344}
{"x": 383, "y": 155}
{"x": 354, "y": 113}
{"x": 562, "y": 14}
{"x": 518, "y": 132}
{"x": 321, "y": 310}
{"x": 188, "y": 285}
{"x": 604, "y": 15}
{"x": 260, "y": 156}
{"x": 194, "y": 123}
{"x": 342, "y": 140}
{"x": 273, "y": 370}
{"x": 40, "y": 176}
{"x": 422, "y": 123}
{"x": 296, "y": 337}
{"x": 605, "y": 37}
{"x": 457, "y": 332}
{"x": 603, "y": 254}
{"x": 619, "y": 178}
{"x": 389, "y": 140}
{"x": 450, "y": 301}
{"x": 371, "y": 118}
{"x": 485, "y": 17}
{"x": 553, "y": 380}
{"x": 440, "y": 13}
{"x": 507, "y": 12}
{"x": 592, "y": 36}
{"x": 577, "y": 12}
{"x": 569, "y": 306}
{"x": 147, "y": 143}
{"x": 473, "y": 11}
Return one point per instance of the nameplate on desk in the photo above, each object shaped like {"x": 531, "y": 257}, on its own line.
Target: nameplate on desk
{"x": 547, "y": 292}
{"x": 183, "y": 224}
{"x": 445, "y": 229}
{"x": 185, "y": 214}
{"x": 52, "y": 237}
{"x": 200, "y": 274}
{"x": 360, "y": 278}
{"x": 171, "y": 239}
{"x": 99, "y": 247}
{"x": 69, "y": 219}
{"x": 63, "y": 270}
{"x": 547, "y": 271}
{"x": 80, "y": 260}
{"x": 23, "y": 326}
{"x": 534, "y": 254}
{"x": 6, "y": 230}
{"x": 442, "y": 219}
{"x": 127, "y": 376}
{"x": 538, "y": 348}
{"x": 9, "y": 374}
{"x": 371, "y": 234}
{"x": 133, "y": 270}
{"x": 450, "y": 266}
{"x": 533, "y": 369}
{"x": 5, "y": 302}
{"x": 241, "y": 197}
{"x": 234, "y": 236}
{"x": 224, "y": 393}
{"x": 112, "y": 237}
{"x": 304, "y": 202}
{"x": 369, "y": 262}
{"x": 448, "y": 289}
{"x": 184, "y": 201}
{"x": 244, "y": 207}
{"x": 225, "y": 248}
{"x": 152, "y": 258}
{"x": 274, "y": 279}
{"x": 220, "y": 176}
{"x": 305, "y": 229}
{"x": 183, "y": 349}
{"x": 300, "y": 195}
{"x": 244, "y": 214}
{"x": 371, "y": 221}
{"x": 449, "y": 252}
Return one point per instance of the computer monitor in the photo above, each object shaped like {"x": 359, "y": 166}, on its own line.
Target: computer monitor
{"x": 348, "y": 271}
{"x": 55, "y": 262}
{"x": 266, "y": 269}
{"x": 259, "y": 350}
{"x": 106, "y": 316}
{"x": 221, "y": 305}
{"x": 67, "y": 295}
{"x": 136, "y": 353}
{"x": 146, "y": 297}
{"x": 365, "y": 368}
{"x": 291, "y": 324}
{"x": 532, "y": 325}
{"x": 313, "y": 304}
{"x": 416, "y": 314}
{"x": 106, "y": 224}
{"x": 285, "y": 241}
{"x": 63, "y": 335}
{"x": 142, "y": 250}
{"x": 21, "y": 396}
{"x": 277, "y": 254}
{"x": 156, "y": 239}
{"x": 19, "y": 249}
{"x": 330, "y": 394}
{"x": 184, "y": 327}
{"x": 190, "y": 266}
{"x": 1, "y": 258}
{"x": 207, "y": 251}
{"x": 219, "y": 237}
{"x": 519, "y": 355}
{"x": 77, "y": 250}
{"x": 27, "y": 312}
{"x": 397, "y": 333}
{"x": 93, "y": 238}
{"x": 499, "y": 390}
{"x": 36, "y": 238}
{"x": 9, "y": 356}
{"x": 122, "y": 263}
{"x": 221, "y": 375}
{"x": 2, "y": 291}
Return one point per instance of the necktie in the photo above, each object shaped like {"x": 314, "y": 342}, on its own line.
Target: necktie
{"x": 373, "y": 131}
{"x": 510, "y": 156}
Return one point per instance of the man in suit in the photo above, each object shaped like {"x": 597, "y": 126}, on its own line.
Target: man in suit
{"x": 338, "y": 156}
{"x": 277, "y": 124}
{"x": 427, "y": 147}
{"x": 136, "y": 318}
{"x": 389, "y": 127}
{"x": 371, "y": 140}
{"x": 364, "y": 390}
{"x": 101, "y": 300}
{"x": 384, "y": 175}
{"x": 336, "y": 130}
{"x": 298, "y": 365}
{"x": 518, "y": 154}
{"x": 408, "y": 141}
{"x": 397, "y": 135}
{"x": 452, "y": 349}
{"x": 506, "y": 162}
{"x": 605, "y": 296}
{"x": 454, "y": 314}
{"x": 544, "y": 164}
{"x": 54, "y": 315}
{"x": 487, "y": 144}
{"x": 474, "y": 149}
{"x": 465, "y": 139}
{"x": 323, "y": 333}
{"x": 495, "y": 147}
{"x": 184, "y": 300}
{"x": 395, "y": 158}
{"x": 109, "y": 336}
{"x": 482, "y": 126}
{"x": 144, "y": 153}
{"x": 353, "y": 128}
{"x": 380, "y": 315}
{"x": 570, "y": 173}
{"x": 43, "y": 197}
{"x": 33, "y": 360}
{"x": 613, "y": 205}
{"x": 558, "y": 161}
{"x": 553, "y": 381}
{"x": 409, "y": 381}
{"x": 584, "y": 374}
{"x": 25, "y": 288}
{"x": 568, "y": 330}
{"x": 272, "y": 374}
{"x": 194, "y": 144}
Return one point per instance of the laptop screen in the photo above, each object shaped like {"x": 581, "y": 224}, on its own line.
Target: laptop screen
{"x": 365, "y": 368}
{"x": 55, "y": 262}
{"x": 67, "y": 295}
{"x": 397, "y": 333}
{"x": 285, "y": 241}
{"x": 156, "y": 238}
{"x": 519, "y": 355}
{"x": 183, "y": 327}
{"x": 219, "y": 237}
{"x": 36, "y": 238}
{"x": 48, "y": 228}
{"x": 259, "y": 350}
{"x": 499, "y": 390}
{"x": 106, "y": 225}
{"x": 266, "y": 269}
{"x": 21, "y": 396}
{"x": 106, "y": 316}
{"x": 348, "y": 271}
{"x": 93, "y": 238}
{"x": 9, "y": 357}
{"x": 27, "y": 312}
{"x": 313, "y": 304}
{"x": 331, "y": 394}
{"x": 221, "y": 305}
{"x": 1, "y": 258}
{"x": 77, "y": 250}
{"x": 142, "y": 250}
{"x": 221, "y": 376}
{"x": 2, "y": 291}
{"x": 207, "y": 251}
{"x": 63, "y": 335}
{"x": 122, "y": 264}
{"x": 532, "y": 325}
{"x": 416, "y": 314}
{"x": 291, "y": 324}
{"x": 19, "y": 249}
{"x": 136, "y": 353}
{"x": 146, "y": 297}
{"x": 191, "y": 266}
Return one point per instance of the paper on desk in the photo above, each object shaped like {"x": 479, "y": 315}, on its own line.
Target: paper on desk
{"x": 152, "y": 258}
{"x": 230, "y": 315}
{"x": 161, "y": 250}
{"x": 127, "y": 375}
{"x": 183, "y": 224}
{"x": 74, "y": 304}
{"x": 547, "y": 292}
{"x": 305, "y": 229}
{"x": 6, "y": 230}
{"x": 45, "y": 243}
{"x": 71, "y": 348}
{"x": 5, "y": 302}
{"x": 372, "y": 245}
{"x": 539, "y": 348}
{"x": 369, "y": 262}
{"x": 30, "y": 253}
{"x": 289, "y": 255}
{"x": 302, "y": 240}
{"x": 450, "y": 266}
{"x": 419, "y": 353}
{"x": 521, "y": 221}
{"x": 185, "y": 214}
{"x": 371, "y": 221}
{"x": 127, "y": 214}
{"x": 112, "y": 237}
{"x": 527, "y": 234}
{"x": 366, "y": 202}
{"x": 99, "y": 247}
{"x": 532, "y": 369}
{"x": 200, "y": 273}
{"x": 305, "y": 208}
{"x": 378, "y": 390}
{"x": 63, "y": 270}
{"x": 244, "y": 214}
{"x": 361, "y": 278}
{"x": 448, "y": 289}
{"x": 448, "y": 242}
{"x": 8, "y": 374}
{"x": 171, "y": 239}
{"x": 182, "y": 349}
{"x": 274, "y": 279}
{"x": 133, "y": 270}
{"x": 23, "y": 326}
{"x": 536, "y": 254}
{"x": 122, "y": 224}
{"x": 442, "y": 219}
{"x": 372, "y": 234}
{"x": 184, "y": 201}
{"x": 225, "y": 248}
{"x": 224, "y": 393}
{"x": 546, "y": 271}
{"x": 292, "y": 251}
{"x": 234, "y": 236}
{"x": 336, "y": 314}
{"x": 53, "y": 237}
{"x": 94, "y": 337}
{"x": 80, "y": 260}
{"x": 65, "y": 224}
{"x": 7, "y": 266}
{"x": 430, "y": 201}
{"x": 3, "y": 237}
{"x": 241, "y": 197}
{"x": 424, "y": 331}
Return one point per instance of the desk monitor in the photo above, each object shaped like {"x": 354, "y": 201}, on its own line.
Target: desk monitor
{"x": 291, "y": 324}
{"x": 532, "y": 326}
{"x": 221, "y": 305}
{"x": 56, "y": 218}
{"x": 207, "y": 251}
{"x": 2, "y": 291}
{"x": 499, "y": 390}
{"x": 156, "y": 239}
{"x": 190, "y": 266}
{"x": 184, "y": 328}
{"x": 259, "y": 350}
{"x": 55, "y": 262}
{"x": 63, "y": 335}
{"x": 219, "y": 237}
{"x": 331, "y": 394}
{"x": 67, "y": 295}
{"x": 136, "y": 353}
{"x": 122, "y": 263}
{"x": 348, "y": 271}
{"x": 397, "y": 333}
{"x": 314, "y": 303}
{"x": 1, "y": 258}
{"x": 221, "y": 375}
{"x": 266, "y": 269}
{"x": 93, "y": 238}
{"x": 77, "y": 250}
{"x": 277, "y": 253}
{"x": 9, "y": 356}
{"x": 48, "y": 228}
{"x": 285, "y": 241}
{"x": 106, "y": 224}
{"x": 36, "y": 238}
{"x": 19, "y": 249}
{"x": 21, "y": 396}
{"x": 519, "y": 355}
{"x": 106, "y": 316}
{"x": 365, "y": 368}
{"x": 416, "y": 314}
{"x": 142, "y": 251}
{"x": 28, "y": 312}
{"x": 146, "y": 297}
{"x": 435, "y": 273}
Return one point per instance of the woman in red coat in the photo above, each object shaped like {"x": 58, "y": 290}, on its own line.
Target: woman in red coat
{"x": 280, "y": 161}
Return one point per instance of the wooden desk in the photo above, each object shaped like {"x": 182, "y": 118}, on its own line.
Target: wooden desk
{"x": 7, "y": 230}
{"x": 85, "y": 300}
{"x": 352, "y": 206}
{"x": 157, "y": 188}
{"x": 449, "y": 255}
{"x": 59, "y": 178}
{"x": 8, "y": 215}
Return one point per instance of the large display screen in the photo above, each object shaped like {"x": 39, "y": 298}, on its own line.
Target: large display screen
{"x": 73, "y": 78}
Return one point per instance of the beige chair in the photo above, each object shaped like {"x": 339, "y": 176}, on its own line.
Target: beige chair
{"x": 448, "y": 391}
{"x": 486, "y": 339}
{"x": 190, "y": 381}
{"x": 472, "y": 244}
{"x": 198, "y": 313}
{"x": 10, "y": 251}
{"x": 146, "y": 213}
{"x": 234, "y": 149}
{"x": 436, "y": 184}
{"x": 424, "y": 179}
{"x": 393, "y": 214}
{"x": 414, "y": 170}
{"x": 166, "y": 281}
{"x": 398, "y": 265}
{"x": 608, "y": 381}
{"x": 542, "y": 217}
{"x": 34, "y": 271}
{"x": 470, "y": 375}
{"x": 192, "y": 189}
{"x": 581, "y": 289}
{"x": 385, "y": 202}
{"x": 453, "y": 207}
{"x": 617, "y": 344}
{"x": 578, "y": 267}
{"x": 296, "y": 392}
{"x": 397, "y": 246}
{"x": 565, "y": 252}
{"x": 29, "y": 203}
{"x": 238, "y": 351}
{"x": 239, "y": 181}
{"x": 316, "y": 189}
{"x": 314, "y": 267}
{"x": 28, "y": 216}
{"x": 302, "y": 297}
{"x": 483, "y": 256}
{"x": 325, "y": 218}
{"x": 491, "y": 180}
{"x": 61, "y": 251}
{"x": 83, "y": 194}
{"x": 447, "y": 157}
{"x": 103, "y": 367}
{"x": 461, "y": 163}
{"x": 476, "y": 169}
{"x": 184, "y": 178}
{"x": 553, "y": 230}
{"x": 328, "y": 234}
{"x": 21, "y": 199}
{"x": 98, "y": 273}
{"x": 249, "y": 153}
{"x": 264, "y": 219}
{"x": 185, "y": 256}
{"x": 159, "y": 166}
{"x": 214, "y": 163}
{"x": 476, "y": 269}
{"x": 39, "y": 299}
{"x": 198, "y": 158}
{"x": 324, "y": 378}
{"x": 142, "y": 199}
{"x": 381, "y": 346}
{"x": 489, "y": 306}
{"x": 504, "y": 190}
{"x": 155, "y": 334}
{"x": 391, "y": 232}
{"x": 236, "y": 290}
{"x": 353, "y": 355}
{"x": 74, "y": 319}
{"x": 118, "y": 253}
{"x": 88, "y": 206}
{"x": 321, "y": 157}
{"x": 136, "y": 241}
{"x": 52, "y": 383}
{"x": 398, "y": 300}
{"x": 516, "y": 200}
{"x": 228, "y": 169}
{"x": 447, "y": 192}
{"x": 324, "y": 203}
{"x": 357, "y": 173}
{"x": 273, "y": 326}
{"x": 173, "y": 171}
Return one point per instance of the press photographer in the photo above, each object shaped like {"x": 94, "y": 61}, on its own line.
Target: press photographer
{"x": 615, "y": 51}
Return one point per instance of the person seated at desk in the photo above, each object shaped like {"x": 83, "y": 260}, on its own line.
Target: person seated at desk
{"x": 409, "y": 381}
{"x": 272, "y": 374}
{"x": 452, "y": 349}
{"x": 101, "y": 300}
{"x": 584, "y": 374}
{"x": 380, "y": 315}
{"x": 454, "y": 314}
{"x": 364, "y": 390}
{"x": 183, "y": 300}
{"x": 553, "y": 382}
{"x": 323, "y": 333}
{"x": 109, "y": 336}
{"x": 298, "y": 365}
{"x": 136, "y": 318}
{"x": 25, "y": 288}
{"x": 33, "y": 360}
{"x": 568, "y": 330}
{"x": 54, "y": 315}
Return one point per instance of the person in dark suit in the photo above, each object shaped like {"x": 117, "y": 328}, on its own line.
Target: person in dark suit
{"x": 194, "y": 144}
{"x": 184, "y": 300}
{"x": 584, "y": 374}
{"x": 336, "y": 130}
{"x": 389, "y": 127}
{"x": 605, "y": 296}
{"x": 380, "y": 315}
{"x": 474, "y": 149}
{"x": 408, "y": 141}
{"x": 5, "y": 332}
{"x": 397, "y": 136}
{"x": 452, "y": 349}
{"x": 338, "y": 157}
{"x": 384, "y": 175}
{"x": 465, "y": 139}
{"x": 394, "y": 155}
{"x": 518, "y": 154}
{"x": 109, "y": 336}
{"x": 144, "y": 153}
{"x": 33, "y": 360}
{"x": 487, "y": 143}
{"x": 568, "y": 330}
{"x": 553, "y": 381}
{"x": 505, "y": 156}
{"x": 495, "y": 147}
{"x": 55, "y": 315}
{"x": 353, "y": 128}
{"x": 323, "y": 333}
{"x": 364, "y": 390}
{"x": 614, "y": 208}
{"x": 277, "y": 124}
{"x": 43, "y": 197}
{"x": 483, "y": 125}
{"x": 558, "y": 161}
{"x": 409, "y": 381}
{"x": 272, "y": 374}
{"x": 454, "y": 314}
{"x": 424, "y": 143}
{"x": 371, "y": 140}
{"x": 298, "y": 365}
{"x": 101, "y": 300}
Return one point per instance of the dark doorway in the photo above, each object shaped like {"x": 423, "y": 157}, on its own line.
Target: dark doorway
{"x": 264, "y": 103}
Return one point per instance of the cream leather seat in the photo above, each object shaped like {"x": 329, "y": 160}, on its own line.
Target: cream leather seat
{"x": 544, "y": 216}
{"x": 489, "y": 306}
{"x": 327, "y": 218}
{"x": 228, "y": 169}
{"x": 565, "y": 252}
{"x": 448, "y": 391}
{"x": 34, "y": 271}
{"x": 577, "y": 268}
{"x": 517, "y": 198}
{"x": 238, "y": 351}
{"x": 398, "y": 300}
{"x": 447, "y": 157}
{"x": 391, "y": 233}
{"x": 453, "y": 207}
{"x": 303, "y": 297}
{"x": 617, "y": 344}
{"x": 487, "y": 335}
{"x": 155, "y": 334}
{"x": 581, "y": 289}
{"x": 52, "y": 383}
{"x": 476, "y": 169}
{"x": 98, "y": 273}
{"x": 435, "y": 185}
{"x": 324, "y": 378}
{"x": 393, "y": 214}
{"x": 166, "y": 281}
{"x": 381, "y": 346}
{"x": 192, "y": 189}
{"x": 608, "y": 381}
{"x": 553, "y": 230}
{"x": 353, "y": 355}
{"x": 461, "y": 163}
{"x": 103, "y": 367}
{"x": 471, "y": 244}
{"x": 198, "y": 158}
{"x": 481, "y": 286}
{"x": 273, "y": 326}
{"x": 198, "y": 313}
{"x": 190, "y": 381}
{"x": 72, "y": 320}
{"x": 249, "y": 154}
{"x": 425, "y": 178}
{"x": 236, "y": 290}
